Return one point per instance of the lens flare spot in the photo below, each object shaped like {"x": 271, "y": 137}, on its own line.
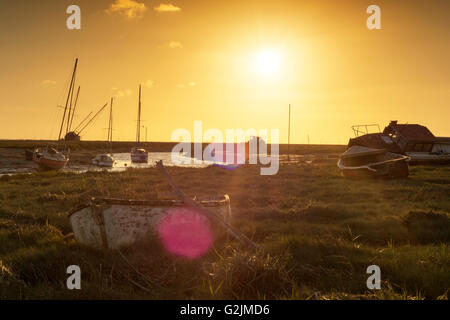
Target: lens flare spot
{"x": 185, "y": 233}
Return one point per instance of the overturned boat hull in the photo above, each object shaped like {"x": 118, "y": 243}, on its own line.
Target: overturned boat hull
{"x": 113, "y": 223}
{"x": 428, "y": 158}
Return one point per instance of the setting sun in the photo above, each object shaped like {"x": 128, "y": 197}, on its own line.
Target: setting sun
{"x": 268, "y": 62}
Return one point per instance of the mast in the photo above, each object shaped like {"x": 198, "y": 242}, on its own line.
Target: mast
{"x": 289, "y": 132}
{"x": 110, "y": 126}
{"x": 73, "y": 110}
{"x": 70, "y": 105}
{"x": 68, "y": 96}
{"x": 138, "y": 130}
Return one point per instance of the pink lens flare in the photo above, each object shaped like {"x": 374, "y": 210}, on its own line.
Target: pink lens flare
{"x": 185, "y": 232}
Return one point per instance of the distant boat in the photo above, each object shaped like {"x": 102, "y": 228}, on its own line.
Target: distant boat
{"x": 363, "y": 162}
{"x": 139, "y": 154}
{"x": 107, "y": 159}
{"x": 50, "y": 157}
{"x": 112, "y": 223}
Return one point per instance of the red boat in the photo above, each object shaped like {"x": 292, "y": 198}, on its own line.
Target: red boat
{"x": 50, "y": 158}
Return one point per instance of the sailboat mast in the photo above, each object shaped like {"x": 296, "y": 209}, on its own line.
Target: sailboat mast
{"x": 68, "y": 96}
{"x": 138, "y": 131}
{"x": 74, "y": 107}
{"x": 70, "y": 105}
{"x": 110, "y": 126}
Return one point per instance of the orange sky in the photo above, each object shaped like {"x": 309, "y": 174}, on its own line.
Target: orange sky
{"x": 198, "y": 63}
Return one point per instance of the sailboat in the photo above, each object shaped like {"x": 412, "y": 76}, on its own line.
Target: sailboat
{"x": 50, "y": 157}
{"x": 106, "y": 159}
{"x": 139, "y": 155}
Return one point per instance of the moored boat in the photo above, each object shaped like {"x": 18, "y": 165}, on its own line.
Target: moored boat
{"x": 107, "y": 159}
{"x": 413, "y": 140}
{"x": 112, "y": 223}
{"x": 363, "y": 162}
{"x": 50, "y": 158}
{"x": 139, "y": 154}
{"x": 104, "y": 160}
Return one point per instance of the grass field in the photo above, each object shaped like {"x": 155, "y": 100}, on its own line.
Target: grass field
{"x": 319, "y": 233}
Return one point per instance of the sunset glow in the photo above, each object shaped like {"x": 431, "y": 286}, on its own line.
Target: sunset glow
{"x": 268, "y": 62}
{"x": 230, "y": 65}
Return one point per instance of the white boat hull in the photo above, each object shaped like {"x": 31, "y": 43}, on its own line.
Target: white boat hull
{"x": 104, "y": 160}
{"x": 426, "y": 157}
{"x": 139, "y": 158}
{"x": 361, "y": 162}
{"x": 139, "y": 155}
{"x": 113, "y": 223}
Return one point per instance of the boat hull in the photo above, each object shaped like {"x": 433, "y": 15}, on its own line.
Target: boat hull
{"x": 104, "y": 160}
{"x": 103, "y": 164}
{"x": 50, "y": 163}
{"x": 113, "y": 223}
{"x": 428, "y": 158}
{"x": 360, "y": 162}
{"x": 139, "y": 159}
{"x": 394, "y": 170}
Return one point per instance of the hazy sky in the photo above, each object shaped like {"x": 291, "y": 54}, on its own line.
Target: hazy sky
{"x": 198, "y": 60}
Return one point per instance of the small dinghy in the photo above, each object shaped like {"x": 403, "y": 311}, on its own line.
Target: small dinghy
{"x": 104, "y": 160}
{"x": 139, "y": 155}
{"x": 112, "y": 223}
{"x": 362, "y": 162}
{"x": 107, "y": 159}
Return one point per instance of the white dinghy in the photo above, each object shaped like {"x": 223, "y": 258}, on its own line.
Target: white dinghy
{"x": 112, "y": 223}
{"x": 106, "y": 159}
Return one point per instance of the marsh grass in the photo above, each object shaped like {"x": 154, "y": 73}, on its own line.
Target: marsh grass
{"x": 319, "y": 233}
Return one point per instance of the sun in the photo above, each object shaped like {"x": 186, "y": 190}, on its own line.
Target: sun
{"x": 268, "y": 62}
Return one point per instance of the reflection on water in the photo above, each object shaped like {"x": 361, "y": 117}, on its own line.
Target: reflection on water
{"x": 123, "y": 161}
